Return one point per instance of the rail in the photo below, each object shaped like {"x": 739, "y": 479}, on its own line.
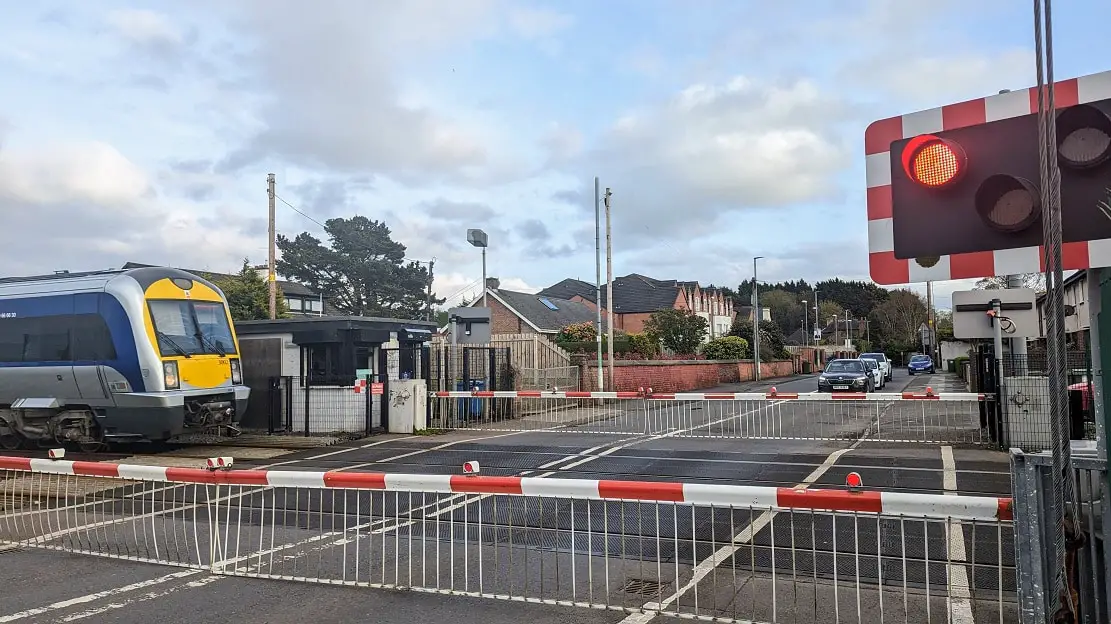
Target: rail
{"x": 729, "y": 553}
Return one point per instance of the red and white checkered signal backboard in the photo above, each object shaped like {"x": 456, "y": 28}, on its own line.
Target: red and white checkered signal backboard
{"x": 885, "y": 268}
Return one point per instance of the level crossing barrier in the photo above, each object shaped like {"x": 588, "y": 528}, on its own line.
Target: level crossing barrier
{"x": 726, "y": 553}
{"x": 915, "y": 417}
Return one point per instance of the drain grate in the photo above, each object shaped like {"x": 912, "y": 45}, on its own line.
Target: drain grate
{"x": 643, "y": 587}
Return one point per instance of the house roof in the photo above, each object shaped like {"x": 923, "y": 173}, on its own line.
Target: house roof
{"x": 532, "y": 309}
{"x": 632, "y": 294}
{"x": 289, "y": 288}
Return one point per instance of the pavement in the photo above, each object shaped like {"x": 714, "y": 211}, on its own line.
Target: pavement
{"x": 99, "y": 590}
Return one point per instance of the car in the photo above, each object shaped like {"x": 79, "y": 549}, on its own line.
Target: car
{"x": 920, "y": 364}
{"x": 885, "y": 364}
{"x": 846, "y": 375}
{"x": 875, "y": 371}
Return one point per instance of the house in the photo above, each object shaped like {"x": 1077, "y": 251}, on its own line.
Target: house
{"x": 301, "y": 300}
{"x": 513, "y": 312}
{"x": 1077, "y": 321}
{"x": 636, "y": 297}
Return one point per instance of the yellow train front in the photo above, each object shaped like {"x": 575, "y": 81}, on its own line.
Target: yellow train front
{"x": 137, "y": 354}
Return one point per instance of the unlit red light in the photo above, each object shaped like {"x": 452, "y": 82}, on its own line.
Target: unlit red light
{"x": 936, "y": 164}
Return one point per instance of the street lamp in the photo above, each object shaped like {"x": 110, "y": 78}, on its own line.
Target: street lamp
{"x": 478, "y": 239}
{"x": 756, "y": 320}
{"x": 805, "y": 315}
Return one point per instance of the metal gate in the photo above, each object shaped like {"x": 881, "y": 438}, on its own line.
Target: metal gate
{"x": 941, "y": 418}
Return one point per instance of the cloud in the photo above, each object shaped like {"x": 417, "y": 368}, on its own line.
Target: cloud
{"x": 84, "y": 205}
{"x": 538, "y": 23}
{"x": 334, "y": 100}
{"x": 459, "y": 212}
{"x": 685, "y": 163}
{"x": 534, "y": 230}
{"x": 144, "y": 27}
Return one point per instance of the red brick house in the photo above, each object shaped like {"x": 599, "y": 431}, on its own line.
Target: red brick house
{"x": 636, "y": 297}
{"x": 513, "y": 312}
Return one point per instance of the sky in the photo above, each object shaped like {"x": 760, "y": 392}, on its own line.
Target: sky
{"x": 725, "y": 129}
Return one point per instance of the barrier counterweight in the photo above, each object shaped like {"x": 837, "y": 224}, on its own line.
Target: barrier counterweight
{"x": 721, "y": 552}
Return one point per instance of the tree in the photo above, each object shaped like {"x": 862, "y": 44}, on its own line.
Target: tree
{"x": 771, "y": 338}
{"x": 1035, "y": 281}
{"x": 362, "y": 271}
{"x": 827, "y": 312}
{"x": 944, "y": 324}
{"x": 786, "y": 309}
{"x": 680, "y": 331}
{"x": 248, "y": 294}
{"x": 895, "y": 322}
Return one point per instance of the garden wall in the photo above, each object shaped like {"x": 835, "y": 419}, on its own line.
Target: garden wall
{"x": 680, "y": 375}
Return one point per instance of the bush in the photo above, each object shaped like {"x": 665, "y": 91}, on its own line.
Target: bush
{"x": 578, "y": 332}
{"x": 726, "y": 348}
{"x": 643, "y": 345}
{"x": 956, "y": 365}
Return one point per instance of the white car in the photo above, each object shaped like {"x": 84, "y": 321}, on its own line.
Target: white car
{"x": 881, "y": 359}
{"x": 873, "y": 368}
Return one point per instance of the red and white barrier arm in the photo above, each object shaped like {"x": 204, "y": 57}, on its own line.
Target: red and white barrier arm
{"x": 714, "y": 396}
{"x": 982, "y": 508}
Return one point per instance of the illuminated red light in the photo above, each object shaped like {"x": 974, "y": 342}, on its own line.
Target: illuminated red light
{"x": 933, "y": 162}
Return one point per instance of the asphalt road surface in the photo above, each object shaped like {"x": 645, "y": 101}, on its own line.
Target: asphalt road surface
{"x": 513, "y": 544}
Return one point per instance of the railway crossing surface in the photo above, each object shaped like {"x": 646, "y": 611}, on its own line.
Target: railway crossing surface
{"x": 689, "y": 557}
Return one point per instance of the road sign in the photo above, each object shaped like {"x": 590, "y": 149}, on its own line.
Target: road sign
{"x": 972, "y": 316}
{"x": 953, "y": 191}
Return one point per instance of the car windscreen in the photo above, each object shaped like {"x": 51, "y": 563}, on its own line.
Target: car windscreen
{"x": 879, "y": 357}
{"x": 870, "y": 363}
{"x": 845, "y": 366}
{"x": 920, "y": 358}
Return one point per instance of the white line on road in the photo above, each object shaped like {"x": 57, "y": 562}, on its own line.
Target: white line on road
{"x": 959, "y": 600}
{"x": 65, "y": 604}
{"x": 722, "y": 554}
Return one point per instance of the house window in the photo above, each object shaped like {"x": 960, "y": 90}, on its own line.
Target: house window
{"x": 294, "y": 303}
{"x": 313, "y": 305}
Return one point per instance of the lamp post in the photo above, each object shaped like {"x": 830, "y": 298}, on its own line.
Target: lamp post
{"x": 478, "y": 239}
{"x": 755, "y": 321}
{"x": 805, "y": 315}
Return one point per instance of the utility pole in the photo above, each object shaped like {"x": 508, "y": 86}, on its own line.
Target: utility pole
{"x": 428, "y": 297}
{"x": 934, "y": 349}
{"x": 756, "y": 318}
{"x": 1018, "y": 345}
{"x": 609, "y": 288}
{"x": 271, "y": 271}
{"x": 598, "y": 276}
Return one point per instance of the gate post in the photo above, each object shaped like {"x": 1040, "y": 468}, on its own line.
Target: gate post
{"x": 384, "y": 376}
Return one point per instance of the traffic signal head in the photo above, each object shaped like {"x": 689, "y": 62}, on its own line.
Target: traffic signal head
{"x": 956, "y": 192}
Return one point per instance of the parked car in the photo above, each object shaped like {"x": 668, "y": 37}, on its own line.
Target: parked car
{"x": 920, "y": 364}
{"x": 875, "y": 371}
{"x": 885, "y": 364}
{"x": 846, "y": 375}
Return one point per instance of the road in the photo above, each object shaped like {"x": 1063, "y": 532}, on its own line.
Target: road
{"x": 780, "y": 462}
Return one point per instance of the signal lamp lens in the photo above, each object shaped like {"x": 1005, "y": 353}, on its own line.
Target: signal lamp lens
{"x": 1083, "y": 137}
{"x": 1008, "y": 204}
{"x": 934, "y": 162}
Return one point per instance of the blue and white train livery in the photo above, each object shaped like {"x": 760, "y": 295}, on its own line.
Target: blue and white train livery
{"x": 138, "y": 354}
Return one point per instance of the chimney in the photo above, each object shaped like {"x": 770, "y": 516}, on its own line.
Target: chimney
{"x": 493, "y": 283}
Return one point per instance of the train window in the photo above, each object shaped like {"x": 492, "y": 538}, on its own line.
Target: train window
{"x": 47, "y": 339}
{"x": 11, "y": 339}
{"x": 92, "y": 341}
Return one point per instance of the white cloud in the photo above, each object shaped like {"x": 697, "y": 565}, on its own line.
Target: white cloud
{"x": 93, "y": 172}
{"x": 685, "y": 163}
{"x": 143, "y": 26}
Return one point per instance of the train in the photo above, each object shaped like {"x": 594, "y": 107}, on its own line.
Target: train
{"x": 127, "y": 355}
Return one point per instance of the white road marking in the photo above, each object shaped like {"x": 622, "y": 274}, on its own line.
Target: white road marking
{"x": 65, "y": 604}
{"x": 722, "y": 554}
{"x": 959, "y": 600}
{"x": 201, "y": 582}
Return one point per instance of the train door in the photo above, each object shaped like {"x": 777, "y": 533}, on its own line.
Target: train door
{"x": 47, "y": 370}
{"x": 88, "y": 359}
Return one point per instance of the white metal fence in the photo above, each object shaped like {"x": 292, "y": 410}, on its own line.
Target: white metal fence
{"x": 716, "y": 552}
{"x": 952, "y": 418}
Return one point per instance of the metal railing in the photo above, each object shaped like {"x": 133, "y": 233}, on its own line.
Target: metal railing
{"x": 951, "y": 418}
{"x": 710, "y": 552}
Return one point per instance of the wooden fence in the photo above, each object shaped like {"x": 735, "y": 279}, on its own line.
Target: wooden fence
{"x": 539, "y": 363}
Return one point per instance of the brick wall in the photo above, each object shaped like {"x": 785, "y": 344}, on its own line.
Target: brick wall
{"x": 502, "y": 321}
{"x": 681, "y": 376}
